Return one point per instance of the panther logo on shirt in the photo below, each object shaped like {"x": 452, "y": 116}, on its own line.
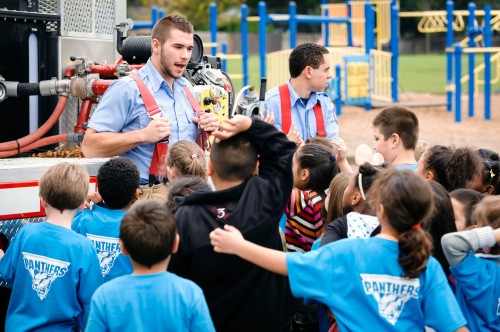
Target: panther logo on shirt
{"x": 391, "y": 293}
{"x": 43, "y": 270}
{"x": 108, "y": 248}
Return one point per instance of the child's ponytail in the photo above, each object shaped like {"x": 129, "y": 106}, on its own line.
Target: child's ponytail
{"x": 407, "y": 202}
{"x": 415, "y": 247}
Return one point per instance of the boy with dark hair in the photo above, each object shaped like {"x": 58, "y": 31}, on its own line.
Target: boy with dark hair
{"x": 241, "y": 297}
{"x": 118, "y": 182}
{"x": 300, "y": 105}
{"x": 155, "y": 300}
{"x": 54, "y": 271}
{"x": 395, "y": 130}
{"x": 234, "y": 159}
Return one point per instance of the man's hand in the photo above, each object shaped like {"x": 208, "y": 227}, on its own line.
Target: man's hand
{"x": 231, "y": 127}
{"x": 157, "y": 130}
{"x": 207, "y": 121}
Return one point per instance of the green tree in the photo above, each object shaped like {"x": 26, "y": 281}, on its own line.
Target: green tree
{"x": 198, "y": 12}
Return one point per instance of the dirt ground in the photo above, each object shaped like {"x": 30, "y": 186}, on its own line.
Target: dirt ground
{"x": 437, "y": 126}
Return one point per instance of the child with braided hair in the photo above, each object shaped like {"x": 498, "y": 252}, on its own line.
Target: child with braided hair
{"x": 391, "y": 278}
{"x": 314, "y": 167}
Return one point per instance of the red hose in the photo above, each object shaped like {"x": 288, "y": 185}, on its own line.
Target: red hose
{"x": 85, "y": 109}
{"x": 51, "y": 121}
{"x": 41, "y": 142}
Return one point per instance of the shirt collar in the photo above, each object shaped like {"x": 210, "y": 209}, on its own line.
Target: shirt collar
{"x": 294, "y": 97}
{"x": 156, "y": 80}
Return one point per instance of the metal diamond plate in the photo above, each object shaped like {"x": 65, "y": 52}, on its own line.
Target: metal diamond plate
{"x": 10, "y": 228}
{"x": 77, "y": 16}
{"x": 68, "y": 119}
{"x": 51, "y": 26}
{"x": 47, "y": 6}
{"x": 105, "y": 17}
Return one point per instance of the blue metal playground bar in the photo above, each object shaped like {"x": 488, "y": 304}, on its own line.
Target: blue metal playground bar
{"x": 156, "y": 15}
{"x": 472, "y": 32}
{"x": 449, "y": 54}
{"x": 488, "y": 33}
{"x": 292, "y": 19}
{"x": 394, "y": 48}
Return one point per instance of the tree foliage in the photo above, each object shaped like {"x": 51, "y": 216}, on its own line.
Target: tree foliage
{"x": 197, "y": 12}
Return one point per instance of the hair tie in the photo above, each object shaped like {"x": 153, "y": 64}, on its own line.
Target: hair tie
{"x": 194, "y": 156}
{"x": 360, "y": 185}
{"x": 492, "y": 174}
{"x": 333, "y": 157}
{"x": 416, "y": 226}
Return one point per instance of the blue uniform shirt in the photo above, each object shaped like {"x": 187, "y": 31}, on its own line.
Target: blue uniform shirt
{"x": 122, "y": 110}
{"x": 102, "y": 227}
{"x": 54, "y": 272}
{"x": 303, "y": 117}
{"x": 359, "y": 280}
{"x": 152, "y": 302}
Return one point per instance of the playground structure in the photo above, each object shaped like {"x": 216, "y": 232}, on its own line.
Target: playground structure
{"x": 358, "y": 30}
{"x": 359, "y": 36}
{"x": 450, "y": 21}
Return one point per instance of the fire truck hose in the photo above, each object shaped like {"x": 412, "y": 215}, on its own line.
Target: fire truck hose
{"x": 41, "y": 142}
{"x": 28, "y": 89}
{"x": 20, "y": 144}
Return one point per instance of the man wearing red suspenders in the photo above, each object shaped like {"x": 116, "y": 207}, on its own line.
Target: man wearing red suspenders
{"x": 300, "y": 106}
{"x": 123, "y": 125}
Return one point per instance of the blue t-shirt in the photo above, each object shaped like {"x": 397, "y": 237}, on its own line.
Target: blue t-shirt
{"x": 54, "y": 272}
{"x": 303, "y": 117}
{"x": 152, "y": 302}
{"x": 102, "y": 227}
{"x": 411, "y": 167}
{"x": 478, "y": 292}
{"x": 356, "y": 277}
{"x": 122, "y": 110}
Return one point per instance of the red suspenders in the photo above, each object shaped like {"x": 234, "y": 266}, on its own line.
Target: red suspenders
{"x": 286, "y": 112}
{"x": 154, "y": 111}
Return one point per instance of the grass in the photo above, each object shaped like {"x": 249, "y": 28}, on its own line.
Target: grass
{"x": 417, "y": 73}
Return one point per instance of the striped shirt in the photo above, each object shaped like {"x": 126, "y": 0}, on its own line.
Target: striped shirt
{"x": 304, "y": 222}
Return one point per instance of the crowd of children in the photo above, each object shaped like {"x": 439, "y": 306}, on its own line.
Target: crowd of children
{"x": 411, "y": 244}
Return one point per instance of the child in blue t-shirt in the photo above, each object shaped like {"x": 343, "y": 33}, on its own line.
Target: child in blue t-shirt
{"x": 150, "y": 299}
{"x": 54, "y": 271}
{"x": 478, "y": 275}
{"x": 118, "y": 180}
{"x": 390, "y": 278}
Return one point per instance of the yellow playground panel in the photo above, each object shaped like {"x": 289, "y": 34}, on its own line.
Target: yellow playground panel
{"x": 338, "y": 32}
{"x": 358, "y": 80}
{"x": 381, "y": 77}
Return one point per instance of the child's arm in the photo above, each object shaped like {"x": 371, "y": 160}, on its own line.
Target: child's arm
{"x": 1, "y": 253}
{"x": 457, "y": 245}
{"x": 344, "y": 166}
{"x": 230, "y": 241}
{"x": 231, "y": 127}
